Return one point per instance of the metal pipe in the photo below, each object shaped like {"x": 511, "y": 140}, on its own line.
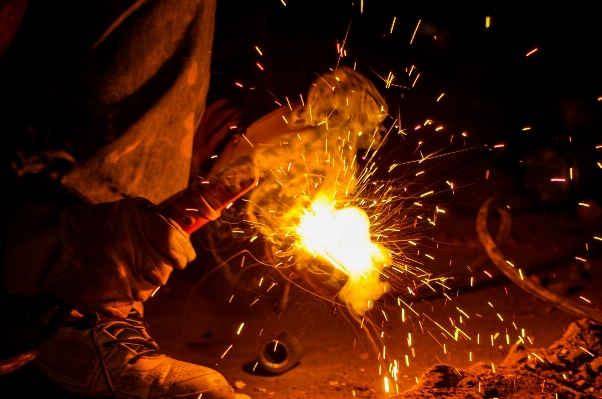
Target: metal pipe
{"x": 277, "y": 355}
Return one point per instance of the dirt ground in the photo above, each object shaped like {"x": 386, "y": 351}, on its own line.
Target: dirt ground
{"x": 339, "y": 360}
{"x": 565, "y": 370}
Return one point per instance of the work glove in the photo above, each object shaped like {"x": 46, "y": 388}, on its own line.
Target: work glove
{"x": 97, "y": 258}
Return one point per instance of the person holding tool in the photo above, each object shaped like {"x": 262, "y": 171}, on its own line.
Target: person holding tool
{"x": 103, "y": 128}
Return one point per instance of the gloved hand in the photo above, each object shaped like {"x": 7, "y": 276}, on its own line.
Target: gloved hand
{"x": 96, "y": 258}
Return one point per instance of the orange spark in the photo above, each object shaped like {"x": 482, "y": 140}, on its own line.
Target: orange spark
{"x": 531, "y": 52}
{"x": 415, "y": 80}
{"x": 245, "y": 137}
{"x": 230, "y": 347}
{"x": 415, "y": 30}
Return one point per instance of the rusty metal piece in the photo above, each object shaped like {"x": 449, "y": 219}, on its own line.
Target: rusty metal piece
{"x": 499, "y": 260}
{"x": 461, "y": 278}
{"x": 18, "y": 361}
{"x": 323, "y": 278}
{"x": 277, "y": 355}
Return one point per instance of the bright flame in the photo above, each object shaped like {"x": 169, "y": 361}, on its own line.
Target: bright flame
{"x": 342, "y": 237}
{"x": 343, "y": 112}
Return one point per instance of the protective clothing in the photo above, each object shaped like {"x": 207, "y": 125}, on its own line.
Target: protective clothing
{"x": 117, "y": 358}
{"x": 96, "y": 258}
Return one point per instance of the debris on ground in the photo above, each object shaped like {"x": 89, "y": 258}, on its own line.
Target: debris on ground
{"x": 569, "y": 368}
{"x": 363, "y": 391}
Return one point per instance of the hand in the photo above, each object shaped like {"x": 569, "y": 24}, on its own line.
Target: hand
{"x": 96, "y": 258}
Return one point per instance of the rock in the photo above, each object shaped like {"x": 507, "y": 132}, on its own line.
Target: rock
{"x": 596, "y": 364}
{"x": 516, "y": 356}
{"x": 364, "y": 394}
{"x": 469, "y": 382}
{"x": 555, "y": 362}
{"x": 363, "y": 391}
{"x": 566, "y": 368}
{"x": 241, "y": 396}
{"x": 441, "y": 376}
{"x": 263, "y": 390}
{"x": 239, "y": 385}
{"x": 532, "y": 364}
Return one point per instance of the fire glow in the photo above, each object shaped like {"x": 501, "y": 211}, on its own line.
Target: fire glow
{"x": 342, "y": 237}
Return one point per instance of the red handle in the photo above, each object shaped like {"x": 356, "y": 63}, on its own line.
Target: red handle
{"x": 204, "y": 200}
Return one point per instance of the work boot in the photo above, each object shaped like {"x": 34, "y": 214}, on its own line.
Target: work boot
{"x": 98, "y": 357}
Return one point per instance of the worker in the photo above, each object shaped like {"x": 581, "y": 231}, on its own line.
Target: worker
{"x": 102, "y": 120}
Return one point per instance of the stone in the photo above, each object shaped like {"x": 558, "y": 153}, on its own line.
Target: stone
{"x": 596, "y": 364}
{"x": 441, "y": 376}
{"x": 516, "y": 355}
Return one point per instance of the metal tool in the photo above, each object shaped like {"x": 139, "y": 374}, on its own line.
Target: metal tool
{"x": 277, "y": 355}
{"x": 204, "y": 200}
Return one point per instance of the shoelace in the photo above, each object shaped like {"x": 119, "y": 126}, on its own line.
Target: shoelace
{"x": 140, "y": 344}
{"x": 143, "y": 346}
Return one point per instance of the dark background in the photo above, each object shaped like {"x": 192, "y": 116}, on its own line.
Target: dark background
{"x": 492, "y": 90}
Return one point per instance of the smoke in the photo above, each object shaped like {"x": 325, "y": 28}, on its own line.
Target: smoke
{"x": 343, "y": 114}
